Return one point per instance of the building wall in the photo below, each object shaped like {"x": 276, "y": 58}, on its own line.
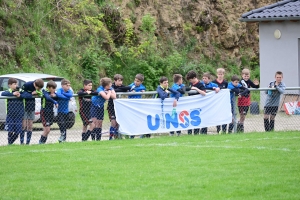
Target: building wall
{"x": 279, "y": 54}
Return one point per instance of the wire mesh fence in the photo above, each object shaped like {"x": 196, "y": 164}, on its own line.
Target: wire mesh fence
{"x": 78, "y": 124}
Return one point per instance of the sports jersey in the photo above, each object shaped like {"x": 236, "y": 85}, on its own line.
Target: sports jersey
{"x": 136, "y": 89}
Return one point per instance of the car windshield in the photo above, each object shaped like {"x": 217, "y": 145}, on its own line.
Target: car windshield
{"x": 56, "y": 80}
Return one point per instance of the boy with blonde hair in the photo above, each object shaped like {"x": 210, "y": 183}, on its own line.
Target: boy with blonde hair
{"x": 244, "y": 102}
{"x": 222, "y": 84}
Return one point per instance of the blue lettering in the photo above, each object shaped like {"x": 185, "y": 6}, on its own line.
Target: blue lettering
{"x": 170, "y": 119}
{"x": 187, "y": 122}
{"x": 149, "y": 122}
{"x": 196, "y": 120}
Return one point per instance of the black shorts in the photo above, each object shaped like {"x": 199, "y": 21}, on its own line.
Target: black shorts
{"x": 270, "y": 110}
{"x": 85, "y": 115}
{"x": 47, "y": 118}
{"x": 243, "y": 109}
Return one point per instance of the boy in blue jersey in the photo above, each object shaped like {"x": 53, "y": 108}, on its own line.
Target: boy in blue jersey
{"x": 197, "y": 85}
{"x": 105, "y": 92}
{"x": 64, "y": 94}
{"x": 236, "y": 89}
{"x": 206, "y": 78}
{"x": 47, "y": 113}
{"x": 180, "y": 87}
{"x": 223, "y": 84}
{"x": 35, "y": 88}
{"x": 15, "y": 110}
{"x": 137, "y": 86}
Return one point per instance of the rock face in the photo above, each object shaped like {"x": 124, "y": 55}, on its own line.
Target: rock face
{"x": 211, "y": 22}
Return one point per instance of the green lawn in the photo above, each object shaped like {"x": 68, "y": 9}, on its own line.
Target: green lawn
{"x": 237, "y": 166}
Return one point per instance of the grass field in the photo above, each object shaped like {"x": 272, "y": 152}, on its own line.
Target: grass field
{"x": 238, "y": 166}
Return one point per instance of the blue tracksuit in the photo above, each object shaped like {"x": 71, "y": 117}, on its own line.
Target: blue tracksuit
{"x": 63, "y": 100}
{"x": 235, "y": 91}
{"x": 137, "y": 89}
{"x": 180, "y": 88}
{"x": 210, "y": 85}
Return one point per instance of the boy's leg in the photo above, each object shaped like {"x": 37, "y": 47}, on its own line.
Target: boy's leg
{"x": 230, "y": 128}
{"x": 10, "y": 136}
{"x": 218, "y": 129}
{"x": 190, "y": 131}
{"x": 196, "y": 131}
{"x": 178, "y": 133}
{"x": 24, "y": 127}
{"x": 171, "y": 133}
{"x": 224, "y": 128}
{"x": 29, "y": 127}
{"x": 62, "y": 126}
{"x": 272, "y": 122}
{"x": 203, "y": 130}
{"x": 266, "y": 123}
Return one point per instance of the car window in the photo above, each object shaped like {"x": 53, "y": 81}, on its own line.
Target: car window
{"x": 20, "y": 83}
{"x": 4, "y": 84}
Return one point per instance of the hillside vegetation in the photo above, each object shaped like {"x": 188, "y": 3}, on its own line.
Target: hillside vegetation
{"x": 80, "y": 39}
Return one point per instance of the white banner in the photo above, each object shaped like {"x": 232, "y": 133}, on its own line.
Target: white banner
{"x": 146, "y": 116}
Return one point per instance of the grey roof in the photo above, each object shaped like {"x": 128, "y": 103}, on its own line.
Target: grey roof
{"x": 280, "y": 11}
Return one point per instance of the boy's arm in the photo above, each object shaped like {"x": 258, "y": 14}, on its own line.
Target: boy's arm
{"x": 201, "y": 90}
{"x": 280, "y": 88}
{"x": 177, "y": 94}
{"x": 253, "y": 85}
{"x": 26, "y": 95}
{"x": 48, "y": 98}
{"x": 113, "y": 94}
{"x": 105, "y": 94}
{"x": 60, "y": 95}
{"x": 81, "y": 92}
{"x": 7, "y": 93}
{"x": 162, "y": 94}
{"x": 245, "y": 91}
{"x": 122, "y": 89}
{"x": 68, "y": 94}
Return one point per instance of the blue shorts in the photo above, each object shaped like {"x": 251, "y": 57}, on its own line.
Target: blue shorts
{"x": 13, "y": 124}
{"x": 97, "y": 112}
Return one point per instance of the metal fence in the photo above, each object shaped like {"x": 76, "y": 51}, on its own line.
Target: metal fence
{"x": 78, "y": 121}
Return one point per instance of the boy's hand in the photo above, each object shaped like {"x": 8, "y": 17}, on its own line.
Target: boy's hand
{"x": 88, "y": 92}
{"x": 256, "y": 82}
{"x": 33, "y": 93}
{"x": 193, "y": 88}
{"x": 239, "y": 96}
{"x": 175, "y": 103}
{"x": 17, "y": 94}
{"x": 217, "y": 89}
{"x": 53, "y": 95}
{"x": 56, "y": 105}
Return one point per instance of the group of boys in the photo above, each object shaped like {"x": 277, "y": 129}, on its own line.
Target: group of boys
{"x": 20, "y": 118}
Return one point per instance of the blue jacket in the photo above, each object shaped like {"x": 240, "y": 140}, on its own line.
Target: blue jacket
{"x": 47, "y": 101}
{"x": 99, "y": 100}
{"x": 180, "y": 88}
{"x": 137, "y": 89}
{"x": 15, "y": 107}
{"x": 210, "y": 85}
{"x": 161, "y": 93}
{"x": 63, "y": 100}
{"x": 236, "y": 90}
